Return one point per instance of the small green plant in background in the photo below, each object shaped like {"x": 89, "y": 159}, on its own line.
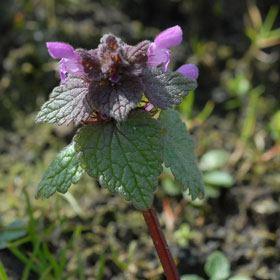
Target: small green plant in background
{"x": 11, "y": 232}
{"x": 238, "y": 79}
{"x": 217, "y": 267}
{"x": 274, "y": 126}
{"x": 3, "y": 274}
{"x": 261, "y": 31}
{"x": 183, "y": 235}
{"x": 215, "y": 178}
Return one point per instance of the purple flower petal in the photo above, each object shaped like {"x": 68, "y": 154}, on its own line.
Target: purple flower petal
{"x": 62, "y": 71}
{"x": 158, "y": 56}
{"x": 189, "y": 71}
{"x": 72, "y": 66}
{"x": 170, "y": 37}
{"x": 60, "y": 50}
{"x": 70, "y": 61}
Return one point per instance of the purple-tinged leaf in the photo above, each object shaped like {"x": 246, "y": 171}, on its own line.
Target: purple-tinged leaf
{"x": 69, "y": 102}
{"x": 164, "y": 89}
{"x": 90, "y": 63}
{"x": 136, "y": 57}
{"x": 137, "y": 53}
{"x": 116, "y": 101}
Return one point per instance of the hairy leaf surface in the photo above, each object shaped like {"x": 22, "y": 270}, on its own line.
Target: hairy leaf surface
{"x": 179, "y": 153}
{"x": 61, "y": 173}
{"x": 137, "y": 54}
{"x": 125, "y": 157}
{"x": 164, "y": 89}
{"x": 69, "y": 102}
{"x": 116, "y": 101}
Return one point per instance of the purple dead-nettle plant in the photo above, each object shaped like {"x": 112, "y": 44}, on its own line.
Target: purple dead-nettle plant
{"x": 115, "y": 92}
{"x": 122, "y": 96}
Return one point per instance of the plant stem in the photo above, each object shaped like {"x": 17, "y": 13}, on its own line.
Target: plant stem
{"x": 161, "y": 246}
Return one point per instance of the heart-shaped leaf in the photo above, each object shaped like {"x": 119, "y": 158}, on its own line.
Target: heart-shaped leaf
{"x": 124, "y": 157}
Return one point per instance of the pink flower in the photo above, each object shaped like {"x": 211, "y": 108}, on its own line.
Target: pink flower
{"x": 170, "y": 37}
{"x": 189, "y": 71}
{"x": 158, "y": 52}
{"x": 70, "y": 62}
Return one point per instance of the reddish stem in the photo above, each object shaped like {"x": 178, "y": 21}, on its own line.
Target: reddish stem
{"x": 162, "y": 248}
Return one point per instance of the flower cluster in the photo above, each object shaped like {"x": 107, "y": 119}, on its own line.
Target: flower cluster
{"x": 112, "y": 79}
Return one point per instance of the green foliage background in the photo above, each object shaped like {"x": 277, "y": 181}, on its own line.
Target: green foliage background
{"x": 89, "y": 234}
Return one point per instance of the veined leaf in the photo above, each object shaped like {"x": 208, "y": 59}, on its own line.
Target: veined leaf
{"x": 178, "y": 153}
{"x": 116, "y": 101}
{"x": 125, "y": 157}
{"x": 61, "y": 173}
{"x": 69, "y": 102}
{"x": 164, "y": 89}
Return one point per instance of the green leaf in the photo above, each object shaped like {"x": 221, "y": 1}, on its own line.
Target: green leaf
{"x": 61, "y": 173}
{"x": 125, "y": 157}
{"x": 164, "y": 89}
{"x": 213, "y": 159}
{"x": 178, "y": 153}
{"x": 212, "y": 191}
{"x": 3, "y": 273}
{"x": 183, "y": 235}
{"x": 218, "y": 178}
{"x": 217, "y": 266}
{"x": 171, "y": 187}
{"x": 69, "y": 102}
{"x": 274, "y": 126}
{"x": 13, "y": 231}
